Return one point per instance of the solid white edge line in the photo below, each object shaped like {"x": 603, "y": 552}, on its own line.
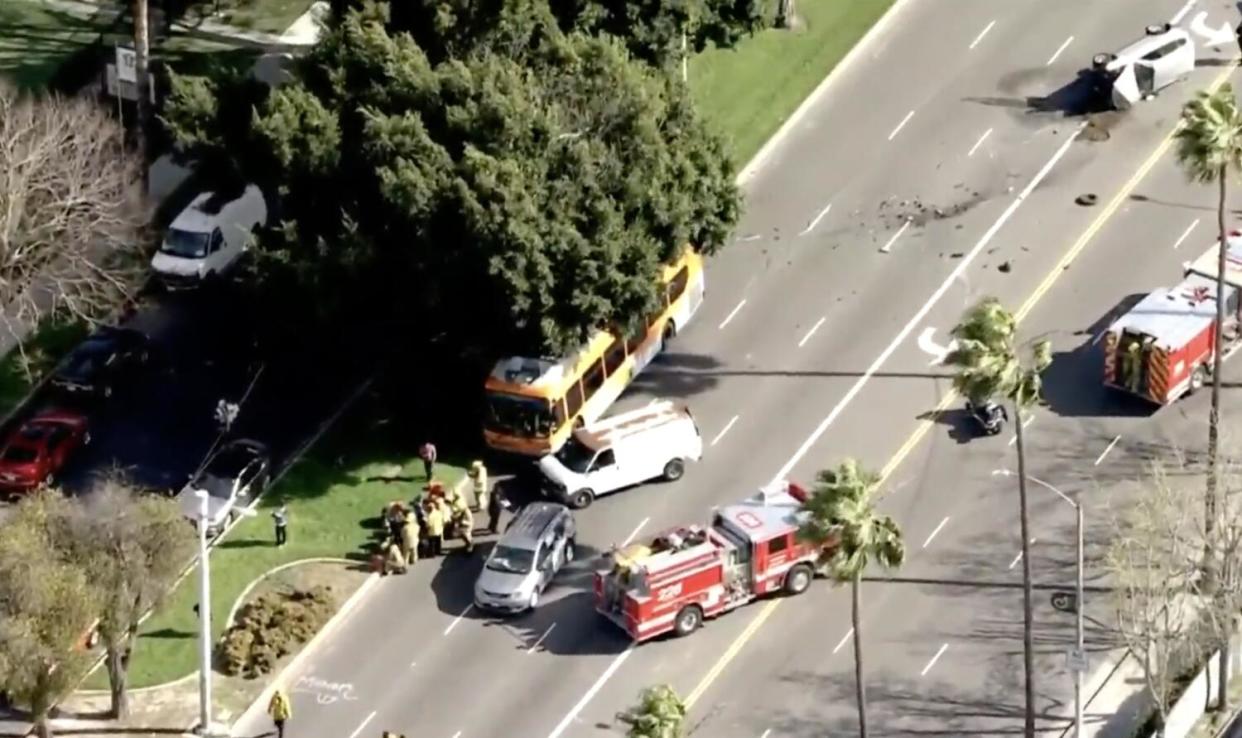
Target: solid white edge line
{"x": 724, "y": 430}
{"x": 844, "y": 640}
{"x": 979, "y": 143}
{"x": 934, "y": 659}
{"x": 362, "y": 725}
{"x": 1110, "y": 448}
{"x": 1186, "y": 234}
{"x": 457, "y": 619}
{"x": 731, "y": 314}
{"x": 901, "y": 125}
{"x": 1061, "y": 48}
{"x": 919, "y": 316}
{"x": 935, "y": 532}
{"x": 1182, "y": 13}
{"x": 884, "y": 249}
{"x": 811, "y": 332}
{"x": 634, "y": 533}
{"x": 815, "y": 221}
{"x": 982, "y": 33}
{"x": 535, "y": 645}
{"x": 599, "y": 683}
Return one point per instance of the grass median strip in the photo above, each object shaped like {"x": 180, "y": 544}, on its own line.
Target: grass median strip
{"x": 745, "y": 93}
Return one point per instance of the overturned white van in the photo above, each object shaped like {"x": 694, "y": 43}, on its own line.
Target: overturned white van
{"x": 1164, "y": 56}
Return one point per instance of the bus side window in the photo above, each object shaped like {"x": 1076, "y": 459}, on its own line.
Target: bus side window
{"x": 593, "y": 378}
{"x": 614, "y": 357}
{"x": 677, "y": 287}
{"x": 632, "y": 342}
{"x": 573, "y": 401}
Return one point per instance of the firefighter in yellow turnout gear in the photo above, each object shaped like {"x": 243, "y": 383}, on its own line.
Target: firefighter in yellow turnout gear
{"x": 478, "y": 478}
{"x": 1132, "y": 366}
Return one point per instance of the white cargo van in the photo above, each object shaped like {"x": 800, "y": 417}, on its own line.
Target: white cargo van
{"x": 621, "y": 451}
{"x": 208, "y": 237}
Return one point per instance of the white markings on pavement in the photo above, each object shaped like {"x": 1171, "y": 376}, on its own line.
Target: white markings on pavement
{"x": 815, "y": 221}
{"x": 901, "y": 125}
{"x": 1110, "y": 448}
{"x": 1182, "y": 13}
{"x": 979, "y": 143}
{"x": 535, "y": 645}
{"x": 896, "y": 236}
{"x": 929, "y": 346}
{"x": 362, "y": 725}
{"x": 811, "y": 332}
{"x": 934, "y": 532}
{"x": 599, "y": 683}
{"x": 724, "y": 430}
{"x": 1186, "y": 233}
{"x": 326, "y": 692}
{"x": 457, "y": 619}
{"x": 766, "y": 733}
{"x": 844, "y": 640}
{"x": 1017, "y": 558}
{"x": 751, "y": 237}
{"x": 1027, "y": 422}
{"x": 919, "y": 316}
{"x": 1060, "y": 48}
{"x": 457, "y": 734}
{"x": 732, "y": 313}
{"x": 934, "y": 659}
{"x": 982, "y": 33}
{"x": 634, "y": 532}
{"x": 413, "y": 664}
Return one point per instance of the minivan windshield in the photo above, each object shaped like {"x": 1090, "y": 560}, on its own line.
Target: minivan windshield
{"x": 186, "y": 244}
{"x": 511, "y": 560}
{"x": 574, "y": 456}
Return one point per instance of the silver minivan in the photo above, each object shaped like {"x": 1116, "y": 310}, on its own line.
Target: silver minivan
{"x": 535, "y": 546}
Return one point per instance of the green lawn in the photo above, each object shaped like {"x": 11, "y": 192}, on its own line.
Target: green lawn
{"x": 268, "y": 16}
{"x": 44, "y": 348}
{"x": 746, "y": 92}
{"x": 35, "y": 39}
{"x": 332, "y": 512}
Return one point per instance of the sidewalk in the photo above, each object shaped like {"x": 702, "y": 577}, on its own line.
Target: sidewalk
{"x": 304, "y": 31}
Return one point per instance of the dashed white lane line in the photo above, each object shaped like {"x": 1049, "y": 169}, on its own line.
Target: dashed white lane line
{"x": 751, "y": 237}
{"x": 1060, "y": 48}
{"x": 811, "y": 332}
{"x": 935, "y": 532}
{"x": 1185, "y": 234}
{"x": 535, "y": 645}
{"x": 1110, "y": 448}
{"x": 897, "y": 235}
{"x": 1025, "y": 424}
{"x": 724, "y": 430}
{"x": 979, "y": 143}
{"x": 982, "y": 33}
{"x": 362, "y": 725}
{"x": 634, "y": 533}
{"x": 815, "y": 221}
{"x": 457, "y": 619}
{"x": 1018, "y": 558}
{"x": 413, "y": 664}
{"x": 731, "y": 314}
{"x": 844, "y": 640}
{"x": 1182, "y": 13}
{"x": 457, "y": 734}
{"x": 901, "y": 125}
{"x": 599, "y": 683}
{"x": 934, "y": 659}
{"x": 766, "y": 733}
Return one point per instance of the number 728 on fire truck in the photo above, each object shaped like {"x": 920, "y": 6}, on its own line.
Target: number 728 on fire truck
{"x": 689, "y": 573}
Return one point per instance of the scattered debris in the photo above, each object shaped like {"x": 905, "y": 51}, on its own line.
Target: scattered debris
{"x": 1086, "y": 199}
{"x": 1004, "y": 267}
{"x": 956, "y": 255}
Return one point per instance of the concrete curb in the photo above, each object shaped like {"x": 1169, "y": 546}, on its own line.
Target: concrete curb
{"x": 228, "y": 621}
{"x": 774, "y": 141}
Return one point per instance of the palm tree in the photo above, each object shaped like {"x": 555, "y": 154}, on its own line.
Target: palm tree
{"x": 1209, "y": 148}
{"x": 841, "y": 517}
{"x": 988, "y": 366}
{"x": 660, "y": 713}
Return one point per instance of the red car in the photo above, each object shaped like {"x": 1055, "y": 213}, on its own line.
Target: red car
{"x": 34, "y": 452}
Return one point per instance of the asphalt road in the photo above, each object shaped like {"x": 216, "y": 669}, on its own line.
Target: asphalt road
{"x": 806, "y": 351}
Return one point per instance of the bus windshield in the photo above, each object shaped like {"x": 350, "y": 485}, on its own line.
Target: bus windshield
{"x": 526, "y": 417}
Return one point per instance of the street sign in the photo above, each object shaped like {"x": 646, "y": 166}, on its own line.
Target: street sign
{"x": 1065, "y": 602}
{"x": 126, "y": 65}
{"x": 1076, "y": 661}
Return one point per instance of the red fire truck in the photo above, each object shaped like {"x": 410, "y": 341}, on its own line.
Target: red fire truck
{"x": 1162, "y": 348}
{"x": 691, "y": 573}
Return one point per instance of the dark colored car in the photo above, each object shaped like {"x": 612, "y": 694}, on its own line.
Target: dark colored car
{"x": 101, "y": 361}
{"x": 36, "y": 451}
{"x": 233, "y": 477}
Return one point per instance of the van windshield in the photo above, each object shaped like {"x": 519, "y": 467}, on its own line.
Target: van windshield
{"x": 511, "y": 560}
{"x": 574, "y": 456}
{"x": 186, "y": 244}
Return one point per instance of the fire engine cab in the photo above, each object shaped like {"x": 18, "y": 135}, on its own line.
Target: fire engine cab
{"x": 682, "y": 576}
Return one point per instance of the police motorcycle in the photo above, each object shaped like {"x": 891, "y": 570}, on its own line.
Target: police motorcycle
{"x": 990, "y": 415}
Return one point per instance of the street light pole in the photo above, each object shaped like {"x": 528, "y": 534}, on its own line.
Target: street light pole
{"x": 204, "y": 618}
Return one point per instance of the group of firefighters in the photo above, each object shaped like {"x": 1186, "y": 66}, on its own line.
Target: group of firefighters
{"x": 419, "y": 528}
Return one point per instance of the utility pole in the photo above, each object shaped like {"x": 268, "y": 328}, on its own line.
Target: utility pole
{"x": 142, "y": 69}
{"x": 204, "y": 617}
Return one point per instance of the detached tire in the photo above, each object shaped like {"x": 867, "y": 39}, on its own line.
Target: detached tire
{"x": 582, "y": 499}
{"x": 798, "y": 580}
{"x": 674, "y": 470}
{"x": 689, "y": 618}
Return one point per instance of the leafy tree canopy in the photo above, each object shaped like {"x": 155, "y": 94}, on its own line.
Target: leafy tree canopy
{"x": 512, "y": 185}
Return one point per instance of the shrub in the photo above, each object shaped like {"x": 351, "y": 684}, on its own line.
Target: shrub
{"x": 271, "y": 627}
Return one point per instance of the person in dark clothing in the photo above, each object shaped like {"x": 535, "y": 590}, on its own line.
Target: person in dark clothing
{"x": 497, "y": 502}
{"x": 280, "y": 518}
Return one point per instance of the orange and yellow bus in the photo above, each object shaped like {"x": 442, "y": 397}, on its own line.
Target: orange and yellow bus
{"x": 534, "y": 404}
